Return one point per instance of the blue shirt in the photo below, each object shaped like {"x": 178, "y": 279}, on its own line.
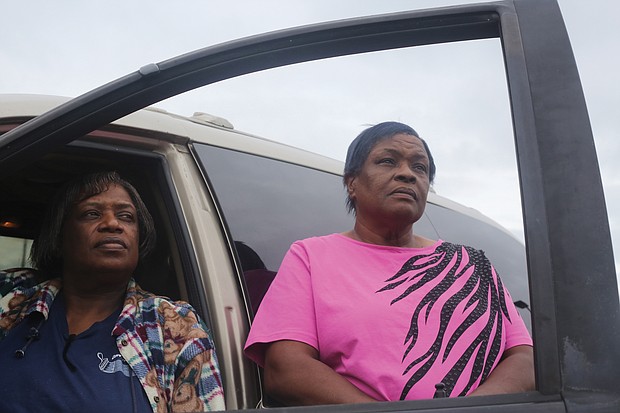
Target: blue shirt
{"x": 82, "y": 373}
{"x": 164, "y": 342}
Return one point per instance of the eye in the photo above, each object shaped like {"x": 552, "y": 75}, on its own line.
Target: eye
{"x": 420, "y": 167}
{"x": 386, "y": 161}
{"x": 126, "y": 216}
{"x": 91, "y": 214}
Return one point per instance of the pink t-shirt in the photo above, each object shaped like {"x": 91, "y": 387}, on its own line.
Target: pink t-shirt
{"x": 393, "y": 321}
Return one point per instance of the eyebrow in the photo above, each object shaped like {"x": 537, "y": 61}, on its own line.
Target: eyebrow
{"x": 421, "y": 155}
{"x": 116, "y": 205}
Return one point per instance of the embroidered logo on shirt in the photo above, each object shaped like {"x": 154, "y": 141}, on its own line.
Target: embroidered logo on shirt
{"x": 443, "y": 268}
{"x": 112, "y": 366}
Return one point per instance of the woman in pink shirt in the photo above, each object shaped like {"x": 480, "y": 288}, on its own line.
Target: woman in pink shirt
{"x": 380, "y": 313}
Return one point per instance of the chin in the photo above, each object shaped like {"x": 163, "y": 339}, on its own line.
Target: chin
{"x": 407, "y": 216}
{"x": 122, "y": 268}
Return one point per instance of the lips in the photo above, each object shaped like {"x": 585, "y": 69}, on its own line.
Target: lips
{"x": 111, "y": 242}
{"x": 405, "y": 191}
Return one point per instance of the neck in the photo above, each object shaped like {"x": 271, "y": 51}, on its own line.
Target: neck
{"x": 84, "y": 307}
{"x": 403, "y": 237}
{"x": 400, "y": 237}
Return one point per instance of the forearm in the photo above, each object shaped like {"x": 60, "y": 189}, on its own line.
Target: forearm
{"x": 514, "y": 373}
{"x": 295, "y": 379}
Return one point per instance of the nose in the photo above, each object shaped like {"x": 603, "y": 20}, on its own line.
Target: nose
{"x": 405, "y": 174}
{"x": 110, "y": 223}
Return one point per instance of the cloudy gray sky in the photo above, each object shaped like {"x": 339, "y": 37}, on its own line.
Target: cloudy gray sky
{"x": 454, "y": 95}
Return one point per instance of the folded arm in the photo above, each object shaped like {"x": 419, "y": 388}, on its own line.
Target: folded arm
{"x": 513, "y": 374}
{"x": 294, "y": 375}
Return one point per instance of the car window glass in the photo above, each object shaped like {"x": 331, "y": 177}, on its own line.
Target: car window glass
{"x": 269, "y": 204}
{"x": 264, "y": 199}
{"x": 454, "y": 95}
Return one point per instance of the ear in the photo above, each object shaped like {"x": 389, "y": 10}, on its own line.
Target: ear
{"x": 351, "y": 184}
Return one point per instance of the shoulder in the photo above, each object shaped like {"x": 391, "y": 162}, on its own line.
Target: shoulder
{"x": 18, "y": 275}
{"x": 146, "y": 300}
{"x": 321, "y": 240}
{"x": 17, "y": 278}
{"x": 472, "y": 257}
{"x": 177, "y": 318}
{"x": 315, "y": 245}
{"x": 471, "y": 251}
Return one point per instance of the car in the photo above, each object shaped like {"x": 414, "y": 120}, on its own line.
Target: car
{"x": 247, "y": 215}
{"x": 223, "y": 230}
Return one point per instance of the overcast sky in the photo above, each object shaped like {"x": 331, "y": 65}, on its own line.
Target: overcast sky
{"x": 453, "y": 95}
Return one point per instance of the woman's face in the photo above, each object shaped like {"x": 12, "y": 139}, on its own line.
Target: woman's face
{"x": 393, "y": 184}
{"x": 100, "y": 234}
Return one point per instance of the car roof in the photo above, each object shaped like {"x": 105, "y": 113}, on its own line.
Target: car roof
{"x": 207, "y": 129}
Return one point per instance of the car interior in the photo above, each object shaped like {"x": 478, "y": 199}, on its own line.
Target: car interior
{"x": 25, "y": 197}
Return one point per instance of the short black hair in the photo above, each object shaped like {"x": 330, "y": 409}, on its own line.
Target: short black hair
{"x": 361, "y": 146}
{"x": 46, "y": 251}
